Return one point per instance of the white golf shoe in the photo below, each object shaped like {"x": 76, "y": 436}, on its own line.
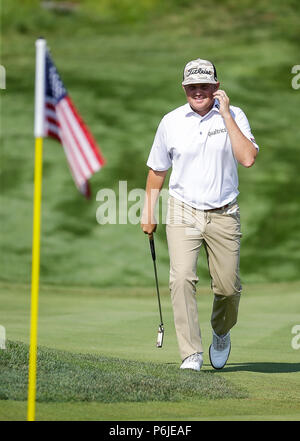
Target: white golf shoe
{"x": 193, "y": 362}
{"x": 219, "y": 350}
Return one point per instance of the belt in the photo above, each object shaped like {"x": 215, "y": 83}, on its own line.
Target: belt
{"x": 213, "y": 209}
{"x": 219, "y": 208}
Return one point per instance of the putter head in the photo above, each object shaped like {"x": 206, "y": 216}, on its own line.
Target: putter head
{"x": 160, "y": 336}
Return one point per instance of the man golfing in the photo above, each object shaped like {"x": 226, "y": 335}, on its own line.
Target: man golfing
{"x": 203, "y": 141}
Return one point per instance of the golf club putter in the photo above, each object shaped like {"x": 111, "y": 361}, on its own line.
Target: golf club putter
{"x": 160, "y": 335}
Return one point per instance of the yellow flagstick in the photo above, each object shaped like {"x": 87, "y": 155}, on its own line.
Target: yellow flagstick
{"x": 39, "y": 133}
{"x": 35, "y": 277}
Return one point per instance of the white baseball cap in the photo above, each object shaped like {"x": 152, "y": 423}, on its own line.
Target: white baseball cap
{"x": 199, "y": 71}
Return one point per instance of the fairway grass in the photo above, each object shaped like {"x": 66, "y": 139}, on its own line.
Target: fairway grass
{"x": 109, "y": 336}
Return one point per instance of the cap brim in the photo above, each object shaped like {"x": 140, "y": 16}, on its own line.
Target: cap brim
{"x": 198, "y": 81}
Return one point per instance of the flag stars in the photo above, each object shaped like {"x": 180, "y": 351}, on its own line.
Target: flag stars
{"x": 57, "y": 87}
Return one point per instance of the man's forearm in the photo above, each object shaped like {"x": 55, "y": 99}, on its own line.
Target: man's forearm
{"x": 155, "y": 181}
{"x": 243, "y": 149}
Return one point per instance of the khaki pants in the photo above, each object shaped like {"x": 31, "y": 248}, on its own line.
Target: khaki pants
{"x": 219, "y": 231}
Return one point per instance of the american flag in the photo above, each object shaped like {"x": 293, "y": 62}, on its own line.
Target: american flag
{"x": 63, "y": 122}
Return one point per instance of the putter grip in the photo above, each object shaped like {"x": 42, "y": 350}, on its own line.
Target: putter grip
{"x": 152, "y": 248}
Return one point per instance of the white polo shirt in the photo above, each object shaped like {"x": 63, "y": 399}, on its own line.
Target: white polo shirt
{"x": 198, "y": 148}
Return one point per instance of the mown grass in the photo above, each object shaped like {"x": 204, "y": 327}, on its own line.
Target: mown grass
{"x": 123, "y": 69}
{"x": 64, "y": 376}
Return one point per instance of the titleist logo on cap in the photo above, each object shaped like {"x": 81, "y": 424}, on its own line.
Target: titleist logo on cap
{"x": 194, "y": 71}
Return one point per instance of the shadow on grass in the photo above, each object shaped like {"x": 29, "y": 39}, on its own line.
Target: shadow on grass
{"x": 268, "y": 367}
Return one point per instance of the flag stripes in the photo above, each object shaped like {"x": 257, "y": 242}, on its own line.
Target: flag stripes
{"x": 63, "y": 122}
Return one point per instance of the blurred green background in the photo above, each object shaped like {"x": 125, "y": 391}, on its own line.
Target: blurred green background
{"x": 122, "y": 63}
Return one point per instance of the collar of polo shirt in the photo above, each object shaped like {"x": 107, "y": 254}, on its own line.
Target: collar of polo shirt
{"x": 190, "y": 111}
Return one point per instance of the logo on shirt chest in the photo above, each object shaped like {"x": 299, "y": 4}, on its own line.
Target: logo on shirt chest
{"x": 217, "y": 131}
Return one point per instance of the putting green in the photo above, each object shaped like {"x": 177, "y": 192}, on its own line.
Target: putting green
{"x": 123, "y": 323}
